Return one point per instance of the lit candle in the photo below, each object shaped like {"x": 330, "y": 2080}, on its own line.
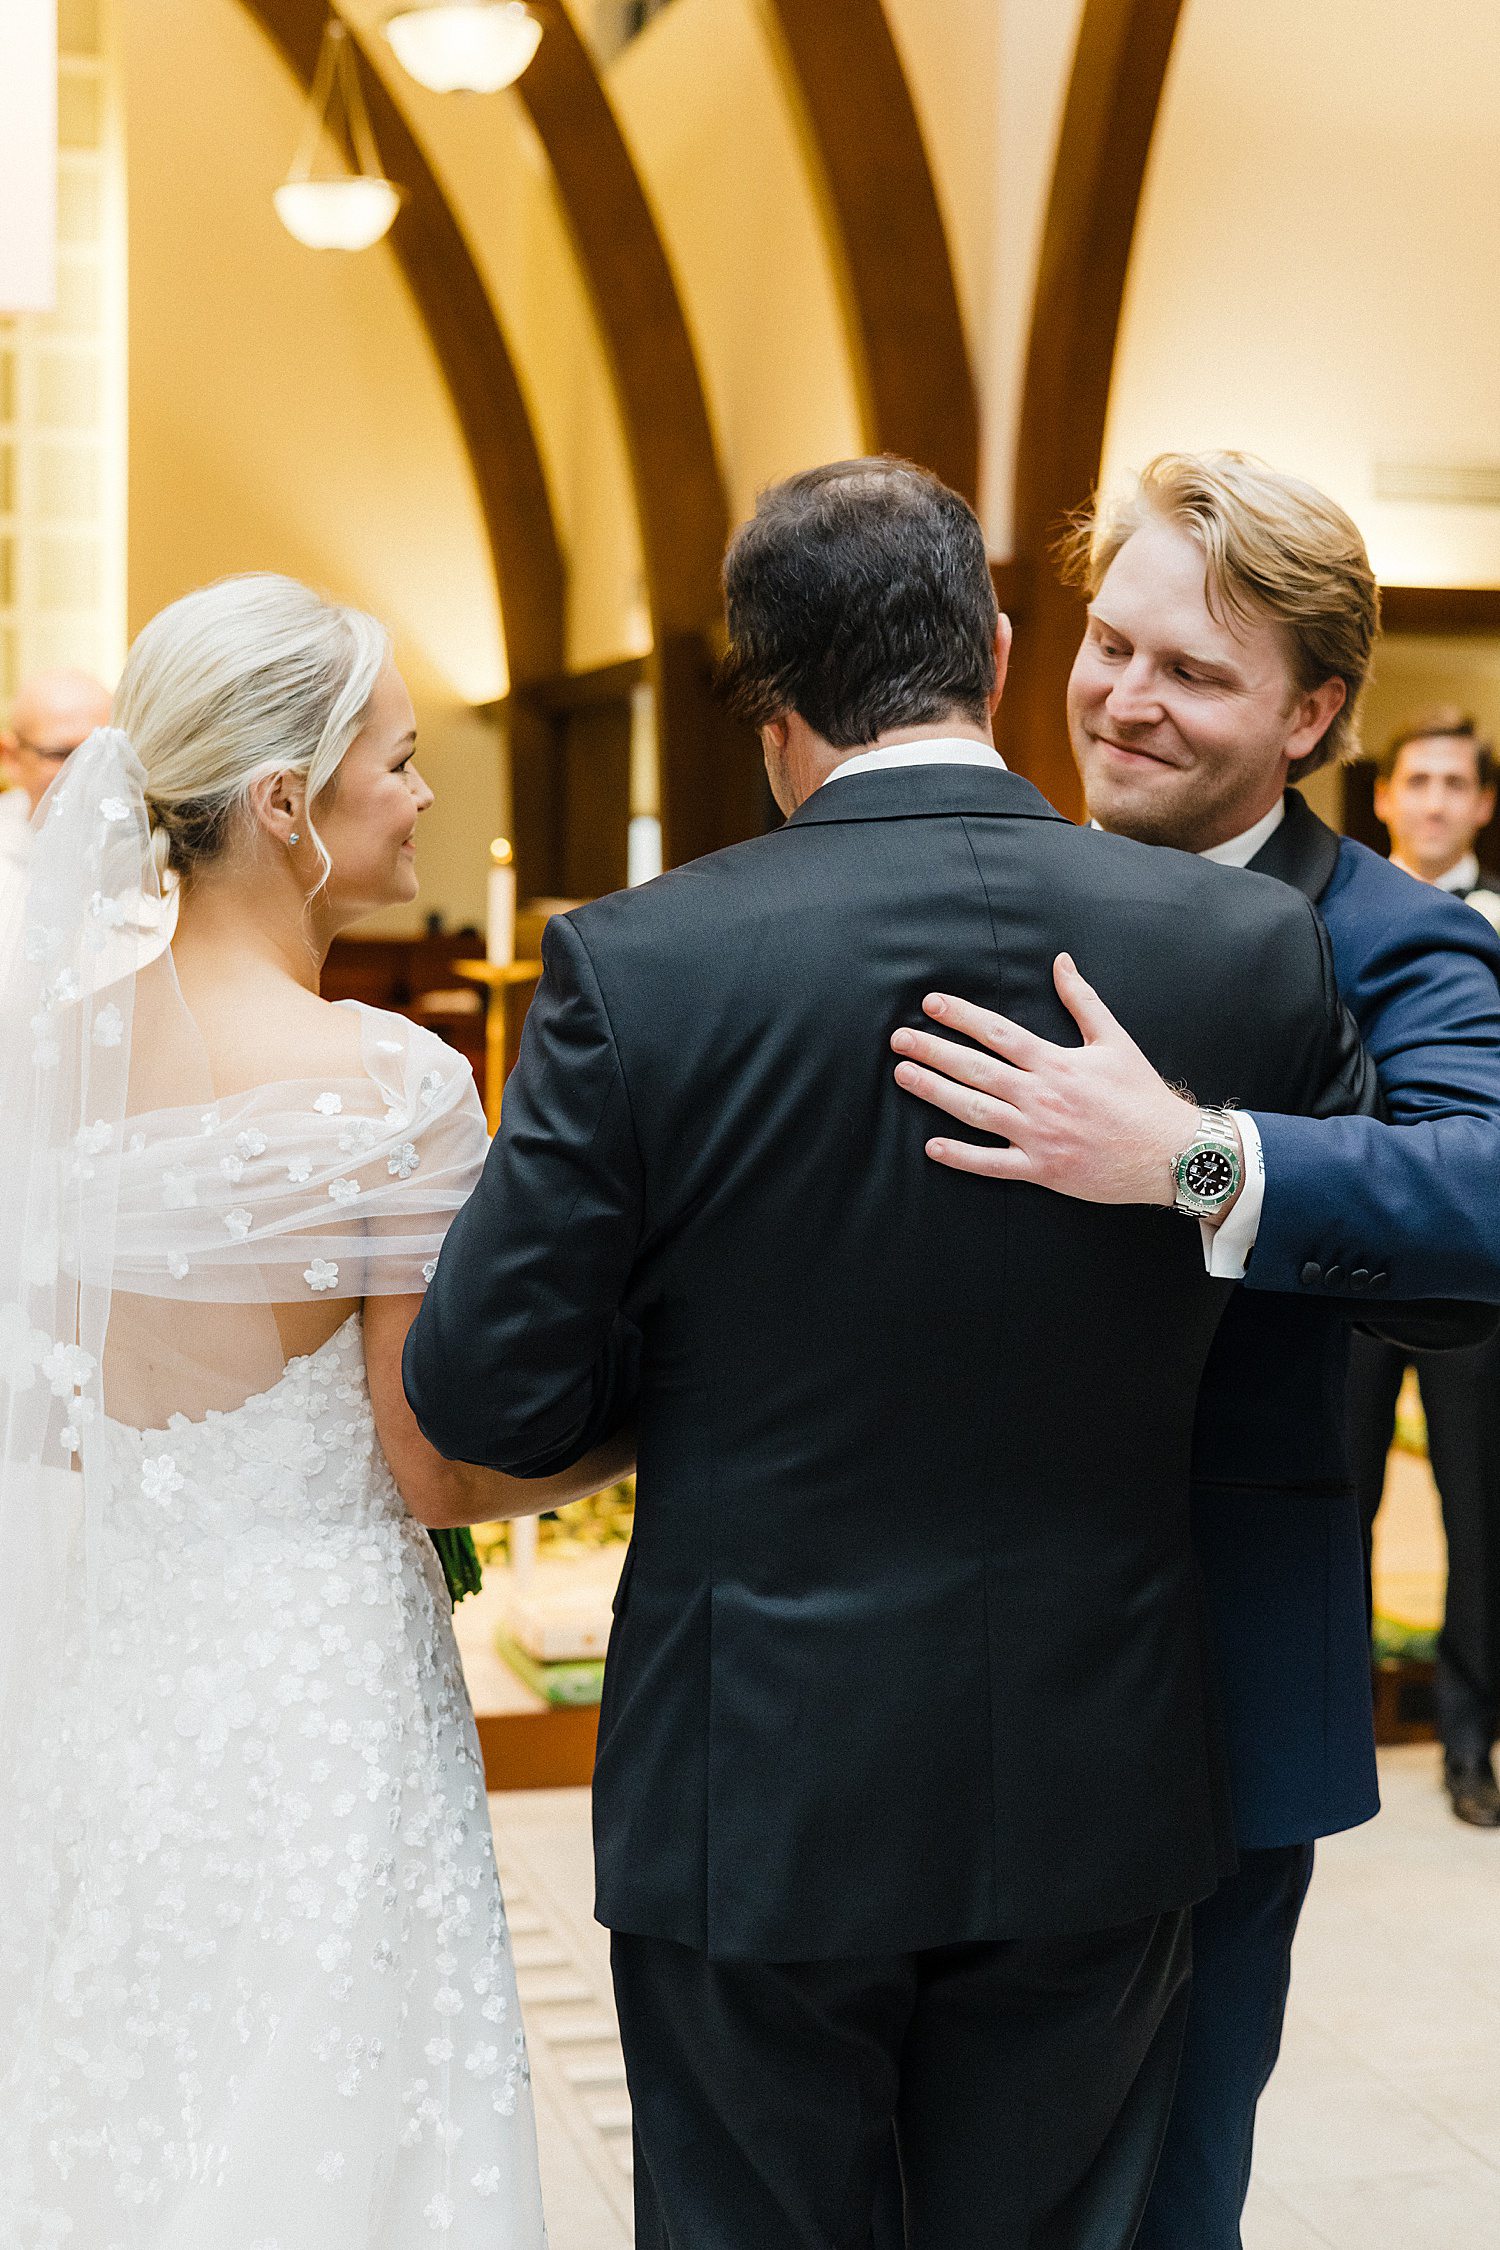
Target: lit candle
{"x": 500, "y": 935}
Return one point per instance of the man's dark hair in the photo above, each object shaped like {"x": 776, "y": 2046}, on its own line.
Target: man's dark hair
{"x": 859, "y": 596}
{"x": 1446, "y": 723}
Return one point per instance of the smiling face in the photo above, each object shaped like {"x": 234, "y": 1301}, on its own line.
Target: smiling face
{"x": 1184, "y": 723}
{"x": 367, "y": 817}
{"x": 1434, "y": 804}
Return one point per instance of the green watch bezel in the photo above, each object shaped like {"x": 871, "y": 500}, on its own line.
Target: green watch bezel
{"x": 1216, "y": 1139}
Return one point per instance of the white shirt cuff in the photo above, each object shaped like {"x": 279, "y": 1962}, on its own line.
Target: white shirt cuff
{"x": 1227, "y": 1247}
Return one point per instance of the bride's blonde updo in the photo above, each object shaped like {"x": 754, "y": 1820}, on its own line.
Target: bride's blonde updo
{"x": 253, "y": 676}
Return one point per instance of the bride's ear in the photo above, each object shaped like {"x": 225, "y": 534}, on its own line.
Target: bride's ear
{"x": 278, "y": 807}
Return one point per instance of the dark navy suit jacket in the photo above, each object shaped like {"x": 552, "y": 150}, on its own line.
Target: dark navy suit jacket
{"x": 1358, "y": 1213}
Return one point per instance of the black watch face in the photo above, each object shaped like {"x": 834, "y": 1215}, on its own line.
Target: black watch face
{"x": 1208, "y": 1173}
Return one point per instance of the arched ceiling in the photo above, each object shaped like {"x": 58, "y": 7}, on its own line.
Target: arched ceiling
{"x": 471, "y": 350}
{"x": 678, "y": 486}
{"x": 906, "y": 327}
{"x": 904, "y": 333}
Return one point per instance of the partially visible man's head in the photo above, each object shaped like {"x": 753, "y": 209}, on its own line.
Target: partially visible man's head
{"x": 860, "y": 603}
{"x": 1435, "y": 790}
{"x": 51, "y": 715}
{"x": 1232, "y": 616}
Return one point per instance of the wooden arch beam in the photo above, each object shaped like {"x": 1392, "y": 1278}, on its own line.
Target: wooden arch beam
{"x": 471, "y": 351}
{"x": 901, "y": 299}
{"x": 1119, "y": 68}
{"x": 710, "y": 770}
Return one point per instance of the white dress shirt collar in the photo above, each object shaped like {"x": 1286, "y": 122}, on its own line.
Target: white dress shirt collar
{"x": 1240, "y": 850}
{"x": 1463, "y": 875}
{"x": 941, "y": 750}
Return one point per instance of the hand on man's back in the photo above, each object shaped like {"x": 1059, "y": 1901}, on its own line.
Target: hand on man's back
{"x": 1096, "y": 1122}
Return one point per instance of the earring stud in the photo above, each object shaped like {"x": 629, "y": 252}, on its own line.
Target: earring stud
{"x": 294, "y": 838}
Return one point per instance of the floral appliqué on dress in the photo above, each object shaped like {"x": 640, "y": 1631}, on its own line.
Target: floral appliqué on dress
{"x": 283, "y": 2014}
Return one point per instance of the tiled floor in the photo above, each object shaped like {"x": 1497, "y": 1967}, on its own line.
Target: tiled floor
{"x": 562, "y": 1969}
{"x": 1381, "y": 2129}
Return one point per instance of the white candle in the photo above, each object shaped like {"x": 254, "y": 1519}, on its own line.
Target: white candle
{"x": 524, "y": 1539}
{"x": 500, "y": 933}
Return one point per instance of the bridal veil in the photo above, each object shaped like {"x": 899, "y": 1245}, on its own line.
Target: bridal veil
{"x": 152, "y": 1229}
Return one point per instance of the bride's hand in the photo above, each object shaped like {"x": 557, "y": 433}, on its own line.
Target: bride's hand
{"x": 444, "y": 1494}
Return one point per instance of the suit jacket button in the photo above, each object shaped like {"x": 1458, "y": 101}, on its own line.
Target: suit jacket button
{"x": 1360, "y": 1278}
{"x": 1312, "y": 1274}
{"x": 1379, "y": 1280}
{"x": 1334, "y": 1277}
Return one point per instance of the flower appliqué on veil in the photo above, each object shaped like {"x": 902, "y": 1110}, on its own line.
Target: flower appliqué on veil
{"x": 322, "y": 1274}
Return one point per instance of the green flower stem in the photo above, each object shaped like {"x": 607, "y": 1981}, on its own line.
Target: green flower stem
{"x": 460, "y": 1561}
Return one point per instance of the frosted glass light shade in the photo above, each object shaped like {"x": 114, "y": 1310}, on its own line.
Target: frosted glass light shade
{"x": 344, "y": 214}
{"x": 465, "y": 46}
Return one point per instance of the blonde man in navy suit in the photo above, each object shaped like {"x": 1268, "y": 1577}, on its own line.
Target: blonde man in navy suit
{"x": 1232, "y": 614}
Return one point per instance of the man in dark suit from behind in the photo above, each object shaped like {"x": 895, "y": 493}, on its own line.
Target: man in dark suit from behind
{"x": 907, "y": 1773}
{"x": 1232, "y": 615}
{"x": 1435, "y": 793}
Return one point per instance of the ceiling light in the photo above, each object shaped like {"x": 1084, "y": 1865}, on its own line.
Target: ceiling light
{"x": 349, "y": 210}
{"x": 465, "y": 46}
{"x": 347, "y": 214}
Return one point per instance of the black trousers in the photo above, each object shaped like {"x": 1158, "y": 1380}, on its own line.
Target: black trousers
{"x": 1461, "y": 1399}
{"x": 1028, "y": 2085}
{"x": 1242, "y": 1965}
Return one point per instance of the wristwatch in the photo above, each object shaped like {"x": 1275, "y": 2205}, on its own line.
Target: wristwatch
{"x": 1208, "y": 1173}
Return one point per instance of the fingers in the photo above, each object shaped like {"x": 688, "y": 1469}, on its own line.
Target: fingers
{"x": 981, "y": 1111}
{"x": 1082, "y": 1001}
{"x": 997, "y": 1033}
{"x": 983, "y": 1163}
{"x": 989, "y": 1073}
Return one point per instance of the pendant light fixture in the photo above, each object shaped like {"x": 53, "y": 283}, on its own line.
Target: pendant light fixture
{"x": 350, "y": 210}
{"x": 465, "y": 46}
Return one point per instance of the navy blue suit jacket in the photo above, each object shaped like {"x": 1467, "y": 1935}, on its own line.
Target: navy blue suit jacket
{"x": 1357, "y": 1212}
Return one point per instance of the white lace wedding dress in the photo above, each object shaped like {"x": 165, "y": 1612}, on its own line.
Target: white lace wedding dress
{"x": 255, "y": 1991}
{"x": 288, "y": 2018}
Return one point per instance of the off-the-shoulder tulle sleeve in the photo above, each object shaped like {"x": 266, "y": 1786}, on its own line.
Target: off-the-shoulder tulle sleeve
{"x": 344, "y": 1185}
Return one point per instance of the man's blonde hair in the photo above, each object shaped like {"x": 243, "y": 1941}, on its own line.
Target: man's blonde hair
{"x": 1273, "y": 547}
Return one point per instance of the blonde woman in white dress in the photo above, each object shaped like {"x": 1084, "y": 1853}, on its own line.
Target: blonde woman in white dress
{"x": 255, "y": 1990}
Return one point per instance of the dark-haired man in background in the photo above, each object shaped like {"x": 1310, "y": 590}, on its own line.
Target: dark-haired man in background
{"x": 907, "y": 1773}
{"x": 1232, "y": 614}
{"x": 1435, "y": 793}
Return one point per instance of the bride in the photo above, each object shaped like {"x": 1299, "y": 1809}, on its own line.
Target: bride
{"x": 255, "y": 1991}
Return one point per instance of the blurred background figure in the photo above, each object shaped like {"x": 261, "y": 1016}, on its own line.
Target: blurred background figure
{"x": 52, "y": 713}
{"x": 1436, "y": 794}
